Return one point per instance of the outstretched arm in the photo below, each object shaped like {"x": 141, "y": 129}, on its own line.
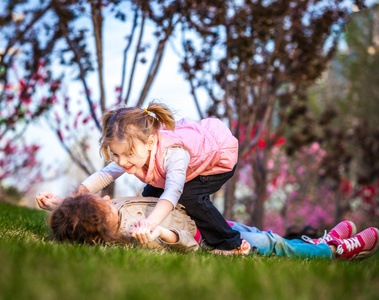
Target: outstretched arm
{"x": 175, "y": 164}
{"x": 81, "y": 189}
{"x": 102, "y": 178}
{"x": 181, "y": 240}
{"x": 144, "y": 235}
{"x": 48, "y": 201}
{"x": 93, "y": 184}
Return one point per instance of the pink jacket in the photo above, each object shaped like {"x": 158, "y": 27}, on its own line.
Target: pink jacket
{"x": 212, "y": 147}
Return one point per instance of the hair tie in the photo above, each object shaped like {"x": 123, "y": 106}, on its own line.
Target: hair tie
{"x": 147, "y": 111}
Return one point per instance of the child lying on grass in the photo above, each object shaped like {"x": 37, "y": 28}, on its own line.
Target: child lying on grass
{"x": 88, "y": 218}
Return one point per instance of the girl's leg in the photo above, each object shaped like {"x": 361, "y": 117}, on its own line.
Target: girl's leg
{"x": 268, "y": 243}
{"x": 210, "y": 222}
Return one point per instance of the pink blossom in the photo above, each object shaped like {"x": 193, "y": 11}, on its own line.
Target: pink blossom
{"x": 57, "y": 118}
{"x": 301, "y": 170}
{"x": 280, "y": 141}
{"x": 77, "y": 118}
{"x": 60, "y": 134}
{"x": 270, "y": 164}
{"x": 314, "y": 148}
{"x": 261, "y": 144}
{"x": 9, "y": 98}
{"x": 55, "y": 85}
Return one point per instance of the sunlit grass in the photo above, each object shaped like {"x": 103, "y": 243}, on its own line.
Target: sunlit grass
{"x": 34, "y": 267}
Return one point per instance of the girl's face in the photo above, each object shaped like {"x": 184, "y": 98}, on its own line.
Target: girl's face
{"x": 112, "y": 215}
{"x": 132, "y": 162}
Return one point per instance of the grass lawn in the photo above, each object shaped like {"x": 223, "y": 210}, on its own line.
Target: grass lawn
{"x": 34, "y": 267}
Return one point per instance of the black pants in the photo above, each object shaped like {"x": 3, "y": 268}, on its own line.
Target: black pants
{"x": 195, "y": 197}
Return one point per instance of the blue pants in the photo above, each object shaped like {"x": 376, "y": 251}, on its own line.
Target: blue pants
{"x": 210, "y": 222}
{"x": 268, "y": 243}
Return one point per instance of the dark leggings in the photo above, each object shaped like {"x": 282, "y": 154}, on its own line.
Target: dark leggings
{"x": 195, "y": 198}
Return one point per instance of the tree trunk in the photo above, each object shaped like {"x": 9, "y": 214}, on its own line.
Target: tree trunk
{"x": 230, "y": 197}
{"x": 108, "y": 190}
{"x": 260, "y": 179}
{"x": 258, "y": 212}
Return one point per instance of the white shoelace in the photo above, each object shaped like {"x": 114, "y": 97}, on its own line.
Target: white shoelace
{"x": 351, "y": 244}
{"x": 339, "y": 250}
{"x": 309, "y": 240}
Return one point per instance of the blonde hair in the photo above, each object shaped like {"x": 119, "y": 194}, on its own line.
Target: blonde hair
{"x": 128, "y": 124}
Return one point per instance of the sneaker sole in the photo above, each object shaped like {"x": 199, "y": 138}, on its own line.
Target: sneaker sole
{"x": 367, "y": 254}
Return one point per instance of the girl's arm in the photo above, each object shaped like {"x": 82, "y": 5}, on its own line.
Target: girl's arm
{"x": 160, "y": 211}
{"x": 94, "y": 183}
{"x": 177, "y": 239}
{"x": 144, "y": 235}
{"x": 175, "y": 163}
{"x": 185, "y": 242}
{"x": 102, "y": 178}
{"x": 48, "y": 201}
{"x": 81, "y": 189}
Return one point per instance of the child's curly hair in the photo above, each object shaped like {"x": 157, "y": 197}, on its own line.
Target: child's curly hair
{"x": 83, "y": 219}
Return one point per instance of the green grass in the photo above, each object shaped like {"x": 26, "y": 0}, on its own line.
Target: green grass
{"x": 34, "y": 267}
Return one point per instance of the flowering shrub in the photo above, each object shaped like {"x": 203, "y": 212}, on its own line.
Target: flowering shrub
{"x": 299, "y": 194}
{"x": 18, "y": 161}
{"x": 23, "y": 101}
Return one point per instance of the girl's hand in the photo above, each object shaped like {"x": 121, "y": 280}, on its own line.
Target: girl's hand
{"x": 146, "y": 224}
{"x": 48, "y": 201}
{"x": 143, "y": 234}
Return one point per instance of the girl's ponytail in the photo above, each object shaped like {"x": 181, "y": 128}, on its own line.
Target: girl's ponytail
{"x": 163, "y": 114}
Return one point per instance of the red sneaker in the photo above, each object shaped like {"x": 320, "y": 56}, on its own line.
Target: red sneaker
{"x": 342, "y": 230}
{"x": 358, "y": 247}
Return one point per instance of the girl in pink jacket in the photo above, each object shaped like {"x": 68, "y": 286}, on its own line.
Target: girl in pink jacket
{"x": 183, "y": 162}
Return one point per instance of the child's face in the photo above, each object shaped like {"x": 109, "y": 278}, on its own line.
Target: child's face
{"x": 131, "y": 162}
{"x": 112, "y": 215}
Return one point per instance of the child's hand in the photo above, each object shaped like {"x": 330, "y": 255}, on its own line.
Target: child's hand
{"x": 146, "y": 224}
{"x": 48, "y": 201}
{"x": 143, "y": 234}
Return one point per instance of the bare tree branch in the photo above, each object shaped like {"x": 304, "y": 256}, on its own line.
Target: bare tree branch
{"x": 195, "y": 99}
{"x": 68, "y": 150}
{"x": 126, "y": 50}
{"x": 97, "y": 21}
{"x": 135, "y": 58}
{"x": 253, "y": 142}
{"x": 258, "y": 99}
{"x": 190, "y": 79}
{"x": 19, "y": 36}
{"x": 155, "y": 64}
{"x": 81, "y": 73}
{"x": 85, "y": 157}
